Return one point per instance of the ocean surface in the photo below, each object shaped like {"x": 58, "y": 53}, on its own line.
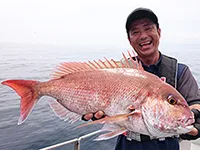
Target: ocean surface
{"x": 43, "y": 128}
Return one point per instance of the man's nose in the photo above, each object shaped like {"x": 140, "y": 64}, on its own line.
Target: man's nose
{"x": 143, "y": 35}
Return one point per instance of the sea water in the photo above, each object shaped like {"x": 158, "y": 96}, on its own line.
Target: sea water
{"x": 43, "y": 128}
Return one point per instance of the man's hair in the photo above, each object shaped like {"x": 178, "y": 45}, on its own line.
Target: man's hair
{"x": 141, "y": 13}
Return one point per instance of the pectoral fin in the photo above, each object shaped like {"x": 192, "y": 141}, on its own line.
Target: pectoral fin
{"x": 111, "y": 119}
{"x": 63, "y": 113}
{"x": 115, "y": 131}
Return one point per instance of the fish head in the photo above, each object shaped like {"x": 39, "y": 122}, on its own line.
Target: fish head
{"x": 166, "y": 113}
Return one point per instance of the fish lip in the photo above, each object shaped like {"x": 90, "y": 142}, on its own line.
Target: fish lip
{"x": 177, "y": 127}
{"x": 180, "y": 129}
{"x": 183, "y": 130}
{"x": 186, "y": 122}
{"x": 189, "y": 122}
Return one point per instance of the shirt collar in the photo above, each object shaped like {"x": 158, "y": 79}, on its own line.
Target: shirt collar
{"x": 152, "y": 68}
{"x": 156, "y": 64}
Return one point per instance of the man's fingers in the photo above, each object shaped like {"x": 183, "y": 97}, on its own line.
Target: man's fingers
{"x": 93, "y": 116}
{"x": 193, "y": 132}
{"x": 87, "y": 117}
{"x": 99, "y": 114}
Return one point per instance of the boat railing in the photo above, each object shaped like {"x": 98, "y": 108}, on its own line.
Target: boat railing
{"x": 76, "y": 141}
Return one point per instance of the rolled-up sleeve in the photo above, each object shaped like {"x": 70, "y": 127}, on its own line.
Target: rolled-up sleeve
{"x": 188, "y": 87}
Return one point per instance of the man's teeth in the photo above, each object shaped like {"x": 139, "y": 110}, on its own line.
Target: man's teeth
{"x": 146, "y": 43}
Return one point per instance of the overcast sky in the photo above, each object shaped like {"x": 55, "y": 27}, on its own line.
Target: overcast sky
{"x": 93, "y": 22}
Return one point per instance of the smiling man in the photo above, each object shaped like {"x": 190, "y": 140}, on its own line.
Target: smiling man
{"x": 144, "y": 36}
{"x": 144, "y": 33}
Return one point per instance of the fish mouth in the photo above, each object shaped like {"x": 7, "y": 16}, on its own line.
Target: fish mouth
{"x": 185, "y": 126}
{"x": 186, "y": 122}
{"x": 182, "y": 127}
{"x": 183, "y": 130}
{"x": 176, "y": 130}
{"x": 179, "y": 128}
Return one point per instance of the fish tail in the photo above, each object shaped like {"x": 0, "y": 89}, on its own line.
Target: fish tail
{"x": 29, "y": 96}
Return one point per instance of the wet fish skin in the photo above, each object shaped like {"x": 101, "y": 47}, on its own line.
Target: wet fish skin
{"x": 112, "y": 90}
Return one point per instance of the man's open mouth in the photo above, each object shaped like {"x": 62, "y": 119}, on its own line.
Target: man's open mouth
{"x": 147, "y": 43}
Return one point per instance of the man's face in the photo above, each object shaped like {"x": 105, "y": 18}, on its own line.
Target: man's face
{"x": 144, "y": 37}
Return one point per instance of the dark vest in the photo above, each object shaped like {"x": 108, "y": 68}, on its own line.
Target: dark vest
{"x": 168, "y": 68}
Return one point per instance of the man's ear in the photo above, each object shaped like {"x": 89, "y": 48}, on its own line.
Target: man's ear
{"x": 129, "y": 39}
{"x": 159, "y": 32}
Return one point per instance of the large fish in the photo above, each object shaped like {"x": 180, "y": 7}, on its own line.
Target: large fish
{"x": 132, "y": 98}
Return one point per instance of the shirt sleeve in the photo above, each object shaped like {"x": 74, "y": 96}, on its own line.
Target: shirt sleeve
{"x": 188, "y": 87}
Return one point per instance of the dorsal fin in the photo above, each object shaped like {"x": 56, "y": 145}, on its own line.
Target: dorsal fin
{"x": 72, "y": 67}
{"x": 126, "y": 61}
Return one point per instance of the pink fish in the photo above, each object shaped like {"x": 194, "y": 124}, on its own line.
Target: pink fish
{"x": 115, "y": 88}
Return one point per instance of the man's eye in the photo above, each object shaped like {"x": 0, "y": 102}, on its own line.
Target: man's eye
{"x": 148, "y": 29}
{"x": 134, "y": 32}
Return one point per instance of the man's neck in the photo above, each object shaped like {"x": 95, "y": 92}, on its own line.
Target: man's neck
{"x": 150, "y": 60}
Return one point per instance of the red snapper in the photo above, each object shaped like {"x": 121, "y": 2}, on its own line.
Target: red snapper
{"x": 115, "y": 88}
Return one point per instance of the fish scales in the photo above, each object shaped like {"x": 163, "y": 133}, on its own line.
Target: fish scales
{"x": 133, "y": 99}
{"x": 93, "y": 90}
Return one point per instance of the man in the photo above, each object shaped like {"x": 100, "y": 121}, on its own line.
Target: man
{"x": 144, "y": 34}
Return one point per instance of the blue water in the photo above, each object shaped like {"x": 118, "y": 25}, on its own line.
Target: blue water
{"x": 43, "y": 128}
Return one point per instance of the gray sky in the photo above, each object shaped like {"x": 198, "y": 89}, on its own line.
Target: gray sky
{"x": 93, "y": 22}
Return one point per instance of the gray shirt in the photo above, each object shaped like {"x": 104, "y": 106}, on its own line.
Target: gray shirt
{"x": 188, "y": 87}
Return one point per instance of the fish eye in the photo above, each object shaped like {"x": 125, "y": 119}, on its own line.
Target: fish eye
{"x": 171, "y": 100}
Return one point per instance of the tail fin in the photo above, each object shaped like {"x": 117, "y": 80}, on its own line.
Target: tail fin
{"x": 29, "y": 96}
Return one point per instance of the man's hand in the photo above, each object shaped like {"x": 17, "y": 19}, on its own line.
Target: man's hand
{"x": 93, "y": 116}
{"x": 195, "y": 132}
